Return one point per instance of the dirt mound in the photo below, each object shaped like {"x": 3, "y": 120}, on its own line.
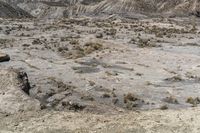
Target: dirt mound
{"x": 13, "y": 88}
{"x": 7, "y": 11}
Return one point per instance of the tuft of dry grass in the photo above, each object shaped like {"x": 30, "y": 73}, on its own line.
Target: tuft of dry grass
{"x": 130, "y": 97}
{"x": 193, "y": 101}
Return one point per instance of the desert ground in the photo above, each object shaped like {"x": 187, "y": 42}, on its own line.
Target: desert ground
{"x": 99, "y": 73}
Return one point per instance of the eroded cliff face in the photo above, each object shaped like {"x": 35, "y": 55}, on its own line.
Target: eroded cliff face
{"x": 7, "y": 10}
{"x": 66, "y": 8}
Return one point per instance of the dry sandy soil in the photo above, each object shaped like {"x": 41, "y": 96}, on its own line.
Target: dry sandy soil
{"x": 184, "y": 121}
{"x": 99, "y": 73}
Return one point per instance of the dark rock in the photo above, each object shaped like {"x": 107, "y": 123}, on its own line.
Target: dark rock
{"x": 24, "y": 83}
{"x": 4, "y": 57}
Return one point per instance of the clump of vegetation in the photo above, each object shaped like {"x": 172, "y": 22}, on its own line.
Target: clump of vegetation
{"x": 106, "y": 95}
{"x": 73, "y": 105}
{"x": 3, "y": 41}
{"x": 131, "y": 105}
{"x": 79, "y": 51}
{"x": 63, "y": 48}
{"x": 37, "y": 41}
{"x": 69, "y": 38}
{"x": 74, "y": 42}
{"x": 130, "y": 97}
{"x": 193, "y": 101}
{"x": 87, "y": 98}
{"x": 142, "y": 43}
{"x": 132, "y": 101}
{"x": 111, "y": 32}
{"x": 91, "y": 47}
{"x": 63, "y": 39}
{"x": 92, "y": 83}
{"x": 191, "y": 75}
{"x": 162, "y": 31}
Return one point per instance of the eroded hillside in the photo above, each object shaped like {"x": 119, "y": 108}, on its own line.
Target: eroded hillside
{"x": 66, "y": 8}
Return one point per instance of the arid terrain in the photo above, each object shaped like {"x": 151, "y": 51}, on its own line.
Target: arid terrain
{"x": 99, "y": 66}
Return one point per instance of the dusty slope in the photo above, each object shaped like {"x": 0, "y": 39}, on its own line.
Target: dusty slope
{"x": 12, "y": 85}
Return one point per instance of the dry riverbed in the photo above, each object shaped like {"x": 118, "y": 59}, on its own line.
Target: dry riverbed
{"x": 113, "y": 75}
